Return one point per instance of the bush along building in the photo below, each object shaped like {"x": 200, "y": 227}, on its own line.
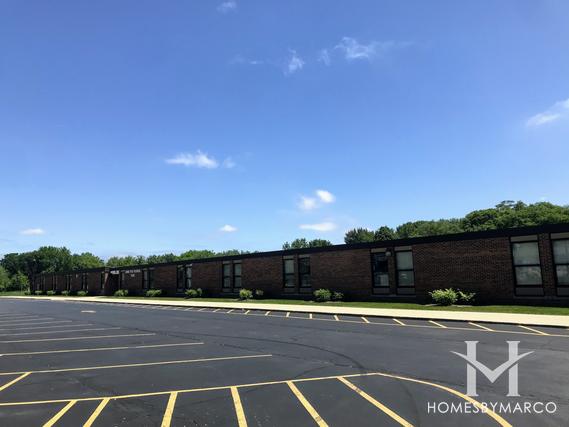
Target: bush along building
{"x": 518, "y": 265}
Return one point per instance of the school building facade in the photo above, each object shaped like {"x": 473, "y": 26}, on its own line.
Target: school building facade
{"x": 514, "y": 266}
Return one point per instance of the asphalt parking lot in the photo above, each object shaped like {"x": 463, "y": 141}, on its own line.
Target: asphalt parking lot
{"x": 73, "y": 364}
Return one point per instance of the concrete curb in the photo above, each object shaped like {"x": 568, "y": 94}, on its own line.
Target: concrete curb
{"x": 504, "y": 318}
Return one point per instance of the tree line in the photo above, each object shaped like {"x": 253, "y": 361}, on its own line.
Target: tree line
{"x": 17, "y": 268}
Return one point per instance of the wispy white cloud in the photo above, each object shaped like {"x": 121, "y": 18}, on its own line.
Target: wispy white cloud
{"x": 228, "y": 163}
{"x": 228, "y": 228}
{"x": 227, "y": 6}
{"x": 354, "y": 50}
{"x": 325, "y": 196}
{"x": 324, "y": 57}
{"x": 308, "y": 203}
{"x": 295, "y": 63}
{"x": 32, "y": 232}
{"x": 197, "y": 159}
{"x": 555, "y": 112}
{"x": 321, "y": 226}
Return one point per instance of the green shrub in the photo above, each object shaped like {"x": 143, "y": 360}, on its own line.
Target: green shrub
{"x": 121, "y": 293}
{"x": 466, "y": 297}
{"x": 245, "y": 294}
{"x": 259, "y": 293}
{"x": 444, "y": 296}
{"x": 337, "y": 296}
{"x": 51, "y": 293}
{"x": 38, "y": 292}
{"x": 151, "y": 293}
{"x": 65, "y": 293}
{"x": 194, "y": 293}
{"x": 27, "y": 292}
{"x": 322, "y": 295}
{"x": 82, "y": 293}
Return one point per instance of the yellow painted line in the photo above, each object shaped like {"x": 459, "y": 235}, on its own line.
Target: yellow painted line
{"x": 248, "y": 311}
{"x": 167, "y": 419}
{"x": 534, "y": 330}
{"x": 309, "y": 408}
{"x": 287, "y": 314}
{"x": 14, "y": 381}
{"x": 82, "y": 350}
{"x": 399, "y": 321}
{"x": 58, "y": 332}
{"x": 336, "y": 318}
{"x": 402, "y": 421}
{"x": 136, "y": 365}
{"x": 488, "y": 412}
{"x": 241, "y": 420}
{"x": 365, "y": 320}
{"x": 481, "y": 326}
{"x": 96, "y": 413}
{"x": 38, "y": 323}
{"x": 310, "y": 316}
{"x": 78, "y": 338}
{"x": 437, "y": 324}
{"x": 484, "y": 409}
{"x": 60, "y": 414}
{"x": 267, "y": 313}
{"x": 46, "y": 327}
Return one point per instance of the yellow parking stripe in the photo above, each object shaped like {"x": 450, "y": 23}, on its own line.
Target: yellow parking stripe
{"x": 60, "y": 414}
{"x": 365, "y": 320}
{"x": 134, "y": 365}
{"x": 287, "y": 314}
{"x": 399, "y": 321}
{"x": 267, "y": 313}
{"x": 96, "y": 413}
{"x": 534, "y": 330}
{"x": 481, "y": 326}
{"x": 310, "y": 316}
{"x": 437, "y": 324}
{"x": 241, "y": 420}
{"x": 376, "y": 403}
{"x": 309, "y": 408}
{"x": 248, "y": 311}
{"x": 14, "y": 381}
{"x": 167, "y": 419}
{"x": 58, "y": 332}
{"x": 77, "y": 338}
{"x": 336, "y": 318}
{"x": 82, "y": 350}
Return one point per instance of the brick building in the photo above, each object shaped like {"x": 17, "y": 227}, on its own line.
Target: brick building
{"x": 518, "y": 265}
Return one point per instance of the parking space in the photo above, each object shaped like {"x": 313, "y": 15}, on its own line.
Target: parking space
{"x": 101, "y": 365}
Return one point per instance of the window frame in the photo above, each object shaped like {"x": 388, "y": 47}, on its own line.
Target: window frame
{"x": 84, "y": 284}
{"x": 515, "y": 266}
{"x": 398, "y": 270}
{"x": 374, "y": 284}
{"x": 188, "y": 278}
{"x": 556, "y": 264}
{"x": 235, "y": 276}
{"x": 301, "y": 260}
{"x": 287, "y": 275}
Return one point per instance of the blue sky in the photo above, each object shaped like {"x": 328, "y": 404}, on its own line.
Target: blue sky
{"x": 145, "y": 127}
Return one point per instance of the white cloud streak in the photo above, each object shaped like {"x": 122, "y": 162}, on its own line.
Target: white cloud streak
{"x": 228, "y": 229}
{"x": 354, "y": 50}
{"x": 200, "y": 159}
{"x": 32, "y": 232}
{"x": 308, "y": 203}
{"x": 321, "y": 226}
{"x": 295, "y": 63}
{"x": 324, "y": 57}
{"x": 555, "y": 112}
{"x": 227, "y": 6}
{"x": 325, "y": 196}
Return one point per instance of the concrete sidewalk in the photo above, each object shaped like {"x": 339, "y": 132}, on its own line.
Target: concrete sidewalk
{"x": 505, "y": 318}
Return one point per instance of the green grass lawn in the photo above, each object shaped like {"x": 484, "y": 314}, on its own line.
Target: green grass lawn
{"x": 521, "y": 309}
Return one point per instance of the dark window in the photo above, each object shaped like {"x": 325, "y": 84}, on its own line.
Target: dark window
{"x": 226, "y": 276}
{"x": 561, "y": 259}
{"x": 288, "y": 268}
{"x": 405, "y": 272}
{"x": 42, "y": 283}
{"x": 180, "y": 279}
{"x": 188, "y": 274}
{"x": 68, "y": 282}
{"x": 103, "y": 280}
{"x": 84, "y": 281}
{"x": 304, "y": 272}
{"x": 237, "y": 274}
{"x": 121, "y": 279}
{"x": 380, "y": 268}
{"x": 145, "y": 279}
{"x": 54, "y": 282}
{"x": 526, "y": 263}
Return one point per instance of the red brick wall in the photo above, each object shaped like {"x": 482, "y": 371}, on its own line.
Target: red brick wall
{"x": 207, "y": 276}
{"x": 265, "y": 274}
{"x": 165, "y": 279}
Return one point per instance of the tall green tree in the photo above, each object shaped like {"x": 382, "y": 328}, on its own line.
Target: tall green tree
{"x": 86, "y": 260}
{"x": 125, "y": 261}
{"x": 384, "y": 233}
{"x": 359, "y": 235}
{"x": 5, "y": 281}
{"x": 196, "y": 254}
